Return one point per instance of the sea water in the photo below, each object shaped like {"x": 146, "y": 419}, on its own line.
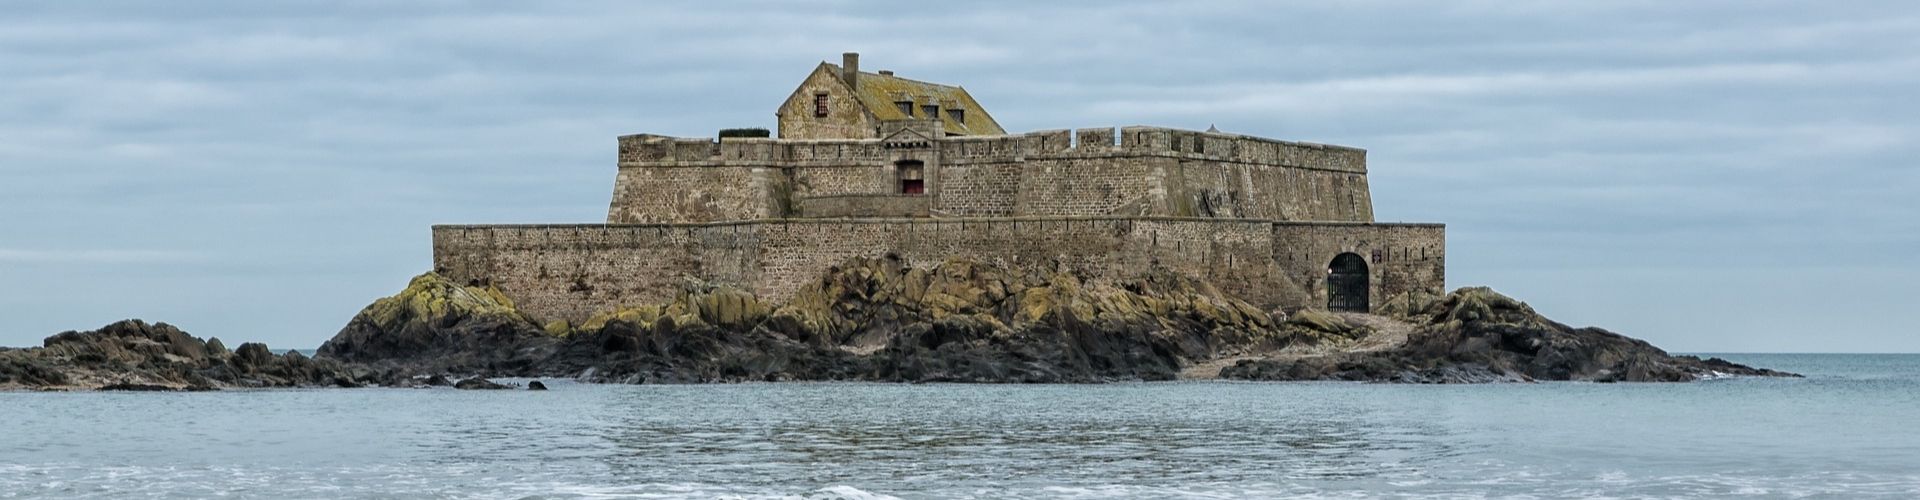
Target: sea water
{"x": 1851, "y": 429}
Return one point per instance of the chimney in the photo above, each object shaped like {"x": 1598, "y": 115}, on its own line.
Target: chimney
{"x": 850, "y": 69}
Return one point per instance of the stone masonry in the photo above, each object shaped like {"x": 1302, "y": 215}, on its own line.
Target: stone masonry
{"x": 1259, "y": 218}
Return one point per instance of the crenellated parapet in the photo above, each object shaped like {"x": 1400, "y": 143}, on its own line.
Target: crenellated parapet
{"x": 648, "y": 150}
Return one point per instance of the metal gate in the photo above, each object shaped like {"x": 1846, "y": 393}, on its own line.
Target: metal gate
{"x": 1347, "y": 283}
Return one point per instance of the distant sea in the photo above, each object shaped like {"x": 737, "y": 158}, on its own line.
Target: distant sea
{"x": 1851, "y": 429}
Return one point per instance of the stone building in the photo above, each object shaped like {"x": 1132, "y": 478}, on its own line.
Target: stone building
{"x": 841, "y": 102}
{"x": 874, "y": 165}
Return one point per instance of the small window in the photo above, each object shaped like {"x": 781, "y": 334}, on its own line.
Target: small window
{"x": 930, "y": 111}
{"x": 906, "y": 108}
{"x": 820, "y": 104}
{"x": 958, "y": 115}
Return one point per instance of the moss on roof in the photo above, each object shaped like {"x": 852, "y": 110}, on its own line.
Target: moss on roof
{"x": 879, "y": 93}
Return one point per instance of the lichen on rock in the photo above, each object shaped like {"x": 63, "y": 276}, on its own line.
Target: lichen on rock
{"x": 433, "y": 318}
{"x": 866, "y": 319}
{"x": 1322, "y": 326}
{"x": 962, "y": 320}
{"x": 435, "y": 300}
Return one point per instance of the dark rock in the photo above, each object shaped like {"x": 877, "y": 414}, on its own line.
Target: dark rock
{"x": 869, "y": 319}
{"x": 879, "y": 320}
{"x": 436, "y": 326}
{"x": 135, "y": 355}
{"x": 536, "y": 386}
{"x": 1475, "y": 335}
{"x": 480, "y": 383}
{"x": 130, "y": 386}
{"x": 252, "y": 356}
{"x": 962, "y": 321}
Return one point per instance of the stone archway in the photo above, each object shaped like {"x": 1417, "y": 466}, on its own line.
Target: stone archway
{"x": 1347, "y": 283}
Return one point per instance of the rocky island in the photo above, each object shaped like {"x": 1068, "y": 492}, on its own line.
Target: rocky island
{"x": 135, "y": 355}
{"x": 879, "y": 320}
{"x": 893, "y": 231}
{"x": 964, "y": 321}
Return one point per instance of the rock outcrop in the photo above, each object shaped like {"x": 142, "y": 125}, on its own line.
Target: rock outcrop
{"x": 880, "y": 320}
{"x": 438, "y": 326}
{"x": 481, "y": 384}
{"x": 965, "y": 321}
{"x": 1478, "y": 335}
{"x": 135, "y": 355}
{"x": 868, "y": 319}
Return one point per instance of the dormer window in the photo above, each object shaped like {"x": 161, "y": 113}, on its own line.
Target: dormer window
{"x": 957, "y": 115}
{"x": 906, "y": 107}
{"x": 930, "y": 111}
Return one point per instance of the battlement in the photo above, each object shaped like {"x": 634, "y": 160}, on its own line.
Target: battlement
{"x": 649, "y": 150}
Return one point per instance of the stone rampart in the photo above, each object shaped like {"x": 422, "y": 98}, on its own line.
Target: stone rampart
{"x": 662, "y": 151}
{"x": 862, "y": 205}
{"x": 572, "y": 271}
{"x": 1400, "y": 258}
{"x": 1134, "y": 171}
{"x": 718, "y": 193}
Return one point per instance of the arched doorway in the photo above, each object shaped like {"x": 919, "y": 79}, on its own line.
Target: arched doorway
{"x": 1347, "y": 283}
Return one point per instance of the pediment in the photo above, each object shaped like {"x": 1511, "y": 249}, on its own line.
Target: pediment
{"x": 906, "y": 138}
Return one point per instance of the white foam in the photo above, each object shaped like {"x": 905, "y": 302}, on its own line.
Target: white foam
{"x": 843, "y": 492}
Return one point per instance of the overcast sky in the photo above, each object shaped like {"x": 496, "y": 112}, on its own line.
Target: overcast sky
{"x": 1707, "y": 175}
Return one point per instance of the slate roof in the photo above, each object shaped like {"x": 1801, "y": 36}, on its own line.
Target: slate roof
{"x": 879, "y": 93}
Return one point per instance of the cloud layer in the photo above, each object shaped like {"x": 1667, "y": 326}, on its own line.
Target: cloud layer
{"x": 1708, "y": 175}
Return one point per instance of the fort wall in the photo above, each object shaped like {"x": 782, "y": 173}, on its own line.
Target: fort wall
{"x": 1087, "y": 172}
{"x": 1400, "y": 258}
{"x": 862, "y": 205}
{"x": 662, "y": 151}
{"x": 570, "y": 272}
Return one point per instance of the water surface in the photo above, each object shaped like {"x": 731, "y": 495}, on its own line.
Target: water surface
{"x": 1845, "y": 431}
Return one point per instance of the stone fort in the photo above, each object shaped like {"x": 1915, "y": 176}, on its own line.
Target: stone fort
{"x": 875, "y": 165}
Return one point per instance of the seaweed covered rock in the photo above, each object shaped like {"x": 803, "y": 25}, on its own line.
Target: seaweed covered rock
{"x": 1478, "y": 335}
{"x": 135, "y": 355}
{"x": 866, "y": 319}
{"x": 480, "y": 384}
{"x": 880, "y": 319}
{"x": 438, "y": 325}
{"x": 1322, "y": 326}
